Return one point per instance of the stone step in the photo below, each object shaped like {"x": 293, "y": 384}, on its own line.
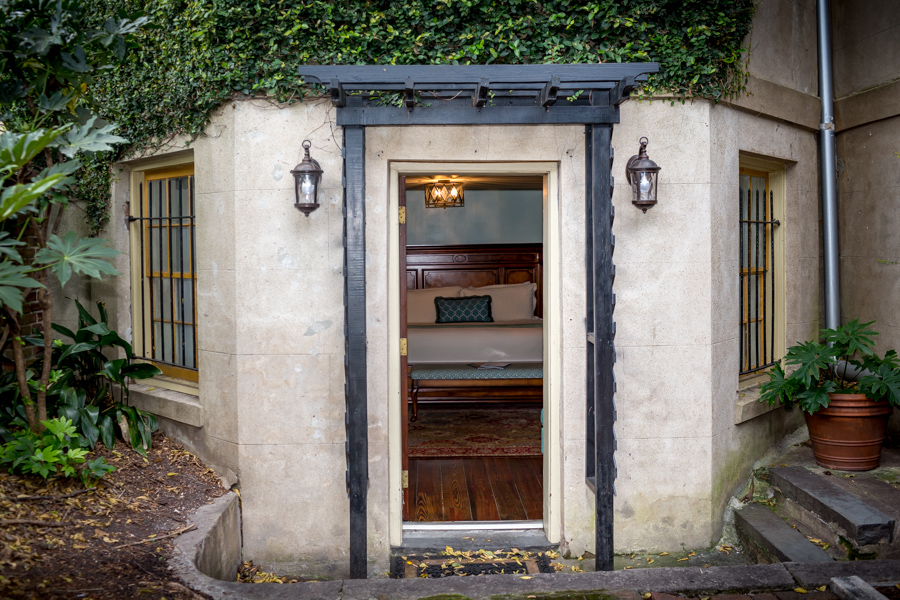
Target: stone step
{"x": 876, "y": 493}
{"x": 851, "y": 517}
{"x": 770, "y": 539}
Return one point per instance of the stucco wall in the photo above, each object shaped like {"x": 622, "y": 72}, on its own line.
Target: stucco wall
{"x": 783, "y": 44}
{"x": 865, "y": 46}
{"x": 867, "y": 69}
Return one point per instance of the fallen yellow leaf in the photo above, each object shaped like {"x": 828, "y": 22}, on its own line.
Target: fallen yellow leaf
{"x": 800, "y": 590}
{"x": 663, "y": 553}
{"x": 525, "y": 577}
{"x": 822, "y": 588}
{"x": 171, "y": 474}
{"x": 683, "y": 559}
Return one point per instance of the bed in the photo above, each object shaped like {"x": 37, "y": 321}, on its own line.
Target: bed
{"x": 440, "y": 355}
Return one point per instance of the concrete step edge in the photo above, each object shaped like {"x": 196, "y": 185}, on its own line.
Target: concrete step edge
{"x": 766, "y": 535}
{"x": 859, "y": 522}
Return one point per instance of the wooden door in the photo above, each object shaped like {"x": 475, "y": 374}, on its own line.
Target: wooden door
{"x": 404, "y": 377}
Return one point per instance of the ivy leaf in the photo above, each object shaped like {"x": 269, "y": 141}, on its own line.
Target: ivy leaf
{"x": 13, "y": 278}
{"x": 82, "y": 255}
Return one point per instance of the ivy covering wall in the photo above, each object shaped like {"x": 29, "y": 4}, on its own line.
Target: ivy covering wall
{"x": 197, "y": 54}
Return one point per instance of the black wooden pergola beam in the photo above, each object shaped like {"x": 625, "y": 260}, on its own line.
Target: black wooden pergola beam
{"x": 540, "y": 85}
{"x": 485, "y": 95}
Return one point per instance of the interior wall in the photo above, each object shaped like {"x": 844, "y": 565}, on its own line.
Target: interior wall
{"x": 488, "y": 217}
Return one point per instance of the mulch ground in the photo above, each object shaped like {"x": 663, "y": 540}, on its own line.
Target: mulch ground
{"x": 59, "y": 541}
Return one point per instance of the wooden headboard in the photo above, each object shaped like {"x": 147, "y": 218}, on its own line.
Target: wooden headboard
{"x": 475, "y": 266}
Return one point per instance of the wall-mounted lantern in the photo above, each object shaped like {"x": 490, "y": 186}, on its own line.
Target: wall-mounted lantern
{"x": 307, "y": 176}
{"x": 643, "y": 174}
{"x": 444, "y": 194}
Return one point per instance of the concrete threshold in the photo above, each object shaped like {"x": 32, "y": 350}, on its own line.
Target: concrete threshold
{"x": 212, "y": 545}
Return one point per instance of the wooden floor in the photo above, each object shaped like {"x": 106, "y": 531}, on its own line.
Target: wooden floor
{"x": 477, "y": 489}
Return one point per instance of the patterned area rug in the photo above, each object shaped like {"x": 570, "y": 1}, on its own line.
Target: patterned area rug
{"x": 473, "y": 432}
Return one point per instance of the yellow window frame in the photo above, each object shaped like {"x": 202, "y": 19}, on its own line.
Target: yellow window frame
{"x": 142, "y": 273}
{"x": 772, "y": 269}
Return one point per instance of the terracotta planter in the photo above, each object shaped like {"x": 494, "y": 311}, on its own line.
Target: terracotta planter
{"x": 849, "y": 433}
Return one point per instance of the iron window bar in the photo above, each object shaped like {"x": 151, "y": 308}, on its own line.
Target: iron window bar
{"x": 167, "y": 309}
{"x": 757, "y": 294}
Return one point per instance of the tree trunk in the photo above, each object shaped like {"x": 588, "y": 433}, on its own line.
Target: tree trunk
{"x": 46, "y": 305}
{"x": 19, "y": 358}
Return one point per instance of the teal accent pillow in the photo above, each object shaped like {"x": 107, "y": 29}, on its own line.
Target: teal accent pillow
{"x": 471, "y": 309}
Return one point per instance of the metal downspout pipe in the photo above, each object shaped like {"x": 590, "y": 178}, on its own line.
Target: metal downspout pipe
{"x": 827, "y": 165}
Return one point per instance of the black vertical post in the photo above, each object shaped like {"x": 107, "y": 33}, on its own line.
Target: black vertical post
{"x": 602, "y": 243}
{"x": 355, "y": 343}
{"x": 590, "y": 447}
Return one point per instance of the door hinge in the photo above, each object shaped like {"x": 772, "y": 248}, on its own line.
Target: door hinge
{"x": 404, "y": 478}
{"x": 402, "y": 215}
{"x": 403, "y": 346}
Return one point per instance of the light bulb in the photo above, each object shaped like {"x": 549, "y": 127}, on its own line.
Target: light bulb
{"x": 644, "y": 185}
{"x": 306, "y": 185}
{"x": 454, "y": 192}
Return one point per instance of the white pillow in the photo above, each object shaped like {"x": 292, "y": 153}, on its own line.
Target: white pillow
{"x": 511, "y": 302}
{"x": 420, "y": 303}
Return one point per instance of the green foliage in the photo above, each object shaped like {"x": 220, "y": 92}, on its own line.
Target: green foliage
{"x": 85, "y": 382}
{"x": 55, "y": 451}
{"x": 820, "y": 369}
{"x": 69, "y": 253}
{"x": 51, "y": 56}
{"x": 80, "y": 387}
{"x": 198, "y": 54}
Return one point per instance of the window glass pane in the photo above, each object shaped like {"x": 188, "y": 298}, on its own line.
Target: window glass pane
{"x": 157, "y": 197}
{"x": 163, "y": 350}
{"x": 188, "y": 300}
{"x": 156, "y": 285}
{"x": 175, "y": 233}
{"x": 159, "y": 249}
{"x": 188, "y": 258}
{"x": 166, "y": 298}
{"x": 179, "y": 201}
{"x": 184, "y": 346}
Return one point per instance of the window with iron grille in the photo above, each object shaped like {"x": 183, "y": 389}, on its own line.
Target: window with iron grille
{"x": 760, "y": 296}
{"x": 163, "y": 246}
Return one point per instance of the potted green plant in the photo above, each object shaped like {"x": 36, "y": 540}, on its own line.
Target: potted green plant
{"x": 845, "y": 391}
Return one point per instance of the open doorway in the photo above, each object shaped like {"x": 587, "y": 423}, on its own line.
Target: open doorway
{"x": 471, "y": 275}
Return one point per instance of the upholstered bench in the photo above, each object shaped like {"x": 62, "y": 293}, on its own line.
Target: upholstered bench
{"x": 519, "y": 382}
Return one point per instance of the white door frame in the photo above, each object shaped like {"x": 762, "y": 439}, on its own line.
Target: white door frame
{"x": 552, "y": 296}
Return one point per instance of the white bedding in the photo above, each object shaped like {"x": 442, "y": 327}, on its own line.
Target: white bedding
{"x": 512, "y": 341}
